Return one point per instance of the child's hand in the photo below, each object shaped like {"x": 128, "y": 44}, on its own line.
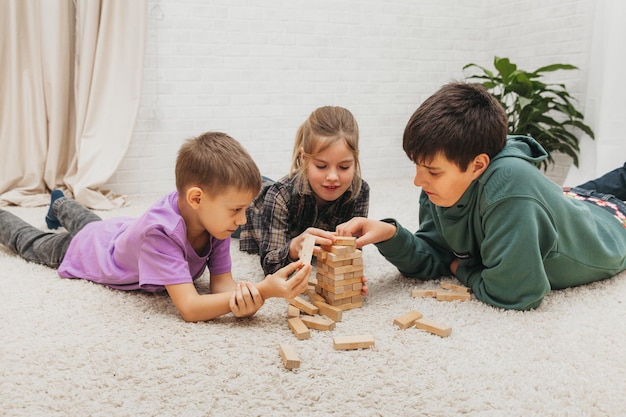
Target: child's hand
{"x": 322, "y": 237}
{"x": 364, "y": 289}
{"x": 366, "y": 230}
{"x": 245, "y": 300}
{"x": 278, "y": 284}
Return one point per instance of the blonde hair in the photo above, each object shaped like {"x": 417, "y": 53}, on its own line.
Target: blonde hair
{"x": 325, "y": 127}
{"x": 214, "y": 161}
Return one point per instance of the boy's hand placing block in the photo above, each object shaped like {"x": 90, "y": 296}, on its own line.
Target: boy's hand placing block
{"x": 353, "y": 342}
{"x": 407, "y": 320}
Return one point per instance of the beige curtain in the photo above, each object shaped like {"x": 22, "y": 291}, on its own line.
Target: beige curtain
{"x": 70, "y": 87}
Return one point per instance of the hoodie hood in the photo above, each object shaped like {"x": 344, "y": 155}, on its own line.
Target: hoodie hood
{"x": 523, "y": 147}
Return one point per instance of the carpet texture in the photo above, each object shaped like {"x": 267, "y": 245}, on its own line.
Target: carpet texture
{"x": 73, "y": 348}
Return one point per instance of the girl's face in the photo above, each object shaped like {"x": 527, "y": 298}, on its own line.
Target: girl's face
{"x": 330, "y": 172}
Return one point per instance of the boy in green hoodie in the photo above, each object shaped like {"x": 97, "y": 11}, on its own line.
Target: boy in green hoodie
{"x": 488, "y": 215}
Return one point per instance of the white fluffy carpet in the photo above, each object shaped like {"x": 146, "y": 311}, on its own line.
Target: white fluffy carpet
{"x": 73, "y": 348}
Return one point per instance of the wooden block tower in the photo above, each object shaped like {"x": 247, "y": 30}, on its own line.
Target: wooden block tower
{"x": 339, "y": 274}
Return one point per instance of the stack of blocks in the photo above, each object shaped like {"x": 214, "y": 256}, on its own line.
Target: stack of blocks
{"x": 340, "y": 273}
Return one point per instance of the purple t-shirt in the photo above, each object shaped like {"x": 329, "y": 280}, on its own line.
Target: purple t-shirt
{"x": 144, "y": 253}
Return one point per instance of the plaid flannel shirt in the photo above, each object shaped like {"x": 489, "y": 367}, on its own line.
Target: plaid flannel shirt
{"x": 280, "y": 213}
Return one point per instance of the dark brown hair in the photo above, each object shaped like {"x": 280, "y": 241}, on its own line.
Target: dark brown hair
{"x": 214, "y": 161}
{"x": 460, "y": 121}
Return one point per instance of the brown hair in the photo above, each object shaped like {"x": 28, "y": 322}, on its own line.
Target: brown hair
{"x": 460, "y": 121}
{"x": 325, "y": 127}
{"x": 214, "y": 161}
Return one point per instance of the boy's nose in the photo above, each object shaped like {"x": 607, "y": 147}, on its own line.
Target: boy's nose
{"x": 417, "y": 180}
{"x": 241, "y": 218}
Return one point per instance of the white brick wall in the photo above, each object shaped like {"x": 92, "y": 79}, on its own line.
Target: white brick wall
{"x": 256, "y": 70}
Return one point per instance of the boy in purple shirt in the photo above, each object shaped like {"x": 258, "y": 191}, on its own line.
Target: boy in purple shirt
{"x": 169, "y": 246}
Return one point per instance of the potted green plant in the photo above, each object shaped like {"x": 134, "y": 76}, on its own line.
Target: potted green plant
{"x": 544, "y": 111}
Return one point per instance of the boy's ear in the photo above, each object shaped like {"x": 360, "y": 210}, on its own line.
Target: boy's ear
{"x": 480, "y": 164}
{"x": 193, "y": 196}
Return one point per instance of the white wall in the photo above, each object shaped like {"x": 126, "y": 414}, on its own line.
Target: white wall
{"x": 257, "y": 69}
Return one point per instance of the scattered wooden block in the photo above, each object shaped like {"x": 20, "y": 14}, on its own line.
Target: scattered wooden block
{"x": 407, "y": 320}
{"x": 327, "y": 310}
{"x": 293, "y": 311}
{"x": 306, "y": 253}
{"x": 423, "y": 293}
{"x": 454, "y": 287}
{"x": 345, "y": 240}
{"x": 439, "y": 329}
{"x": 452, "y": 296}
{"x": 289, "y": 356}
{"x": 298, "y": 328}
{"x": 318, "y": 322}
{"x": 314, "y": 297}
{"x": 304, "y": 305}
{"x": 353, "y": 342}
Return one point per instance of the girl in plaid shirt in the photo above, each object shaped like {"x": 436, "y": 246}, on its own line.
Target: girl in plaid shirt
{"x": 323, "y": 189}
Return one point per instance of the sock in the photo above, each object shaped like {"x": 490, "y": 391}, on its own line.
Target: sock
{"x": 51, "y": 218}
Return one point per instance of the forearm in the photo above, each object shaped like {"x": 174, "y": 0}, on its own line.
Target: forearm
{"x": 206, "y": 307}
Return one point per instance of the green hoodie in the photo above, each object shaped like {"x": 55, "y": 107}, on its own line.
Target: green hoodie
{"x": 515, "y": 233}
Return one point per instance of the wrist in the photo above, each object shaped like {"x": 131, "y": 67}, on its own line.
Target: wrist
{"x": 263, "y": 288}
{"x": 391, "y": 230}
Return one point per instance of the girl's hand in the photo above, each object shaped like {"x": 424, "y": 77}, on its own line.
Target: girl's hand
{"x": 245, "y": 300}
{"x": 322, "y": 238}
{"x": 364, "y": 289}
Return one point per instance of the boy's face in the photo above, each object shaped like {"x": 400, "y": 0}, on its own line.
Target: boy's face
{"x": 444, "y": 182}
{"x": 220, "y": 215}
{"x": 330, "y": 173}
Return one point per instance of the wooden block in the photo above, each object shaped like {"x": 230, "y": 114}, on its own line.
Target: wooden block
{"x": 338, "y": 249}
{"x": 298, "y": 328}
{"x": 346, "y": 294}
{"x": 439, "y": 329}
{"x": 345, "y": 240}
{"x": 334, "y": 257}
{"x": 407, "y": 320}
{"x": 452, "y": 296}
{"x": 350, "y": 305}
{"x": 318, "y": 322}
{"x": 454, "y": 287}
{"x": 353, "y": 342}
{"x": 304, "y": 305}
{"x": 306, "y": 253}
{"x": 289, "y": 356}
{"x": 293, "y": 311}
{"x": 329, "y": 311}
{"x": 423, "y": 293}
{"x": 314, "y": 297}
{"x": 337, "y": 270}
